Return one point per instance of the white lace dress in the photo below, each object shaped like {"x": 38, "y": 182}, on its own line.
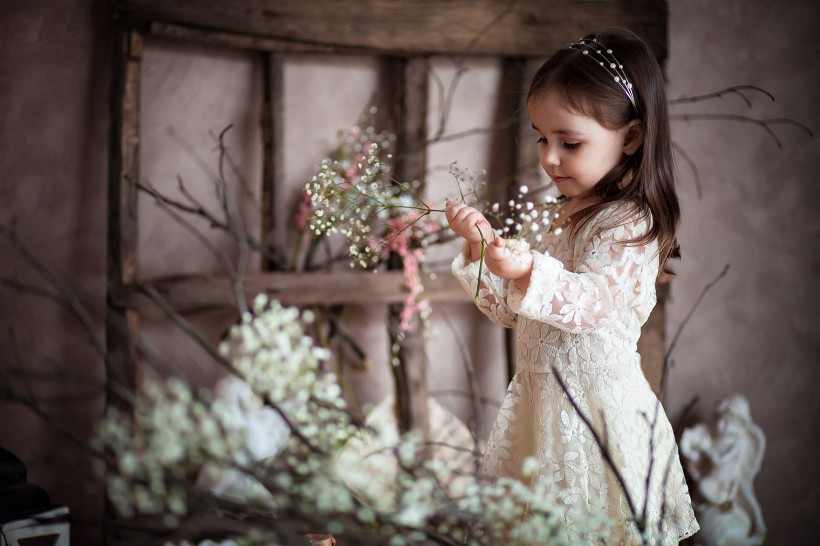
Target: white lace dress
{"x": 582, "y": 314}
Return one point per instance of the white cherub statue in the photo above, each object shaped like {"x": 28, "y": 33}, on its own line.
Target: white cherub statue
{"x": 722, "y": 458}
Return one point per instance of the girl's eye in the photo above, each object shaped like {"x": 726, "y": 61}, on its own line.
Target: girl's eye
{"x": 541, "y": 140}
{"x": 572, "y": 145}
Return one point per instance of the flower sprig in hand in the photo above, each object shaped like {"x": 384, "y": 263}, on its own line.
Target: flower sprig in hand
{"x": 508, "y": 258}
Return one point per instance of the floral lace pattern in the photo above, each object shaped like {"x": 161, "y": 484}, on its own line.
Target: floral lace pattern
{"x": 582, "y": 314}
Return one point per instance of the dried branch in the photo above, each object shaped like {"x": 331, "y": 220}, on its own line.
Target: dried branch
{"x": 686, "y": 157}
{"x": 233, "y": 218}
{"x": 472, "y": 379}
{"x": 170, "y": 207}
{"x": 197, "y": 209}
{"x": 469, "y": 132}
{"x": 735, "y": 89}
{"x": 70, "y": 299}
{"x": 605, "y": 453}
{"x": 765, "y": 124}
{"x": 647, "y": 486}
{"x": 667, "y": 359}
{"x": 446, "y": 100}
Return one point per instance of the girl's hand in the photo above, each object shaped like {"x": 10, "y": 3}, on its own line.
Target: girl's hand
{"x": 509, "y": 261}
{"x": 463, "y": 221}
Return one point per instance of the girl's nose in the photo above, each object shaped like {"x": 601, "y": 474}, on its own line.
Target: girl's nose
{"x": 549, "y": 156}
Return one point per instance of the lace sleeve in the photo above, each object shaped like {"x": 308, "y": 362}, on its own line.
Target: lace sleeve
{"x": 492, "y": 294}
{"x": 609, "y": 277}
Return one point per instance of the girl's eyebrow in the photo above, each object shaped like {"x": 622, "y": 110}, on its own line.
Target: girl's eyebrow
{"x": 561, "y": 131}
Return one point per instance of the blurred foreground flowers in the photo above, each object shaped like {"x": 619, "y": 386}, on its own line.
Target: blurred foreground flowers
{"x": 273, "y": 454}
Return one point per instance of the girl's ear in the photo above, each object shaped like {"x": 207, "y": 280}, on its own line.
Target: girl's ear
{"x": 633, "y": 137}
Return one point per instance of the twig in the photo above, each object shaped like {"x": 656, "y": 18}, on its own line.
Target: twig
{"x": 197, "y": 209}
{"x": 477, "y": 296}
{"x": 735, "y": 89}
{"x": 667, "y": 357}
{"x": 474, "y": 388}
{"x": 186, "y": 327}
{"x": 472, "y": 380}
{"x": 237, "y": 172}
{"x": 469, "y": 132}
{"x": 233, "y": 218}
{"x": 604, "y": 448}
{"x": 71, "y": 300}
{"x": 687, "y": 409}
{"x": 220, "y": 186}
{"x": 34, "y": 407}
{"x": 765, "y": 124}
{"x": 446, "y": 97}
{"x": 648, "y": 483}
{"x": 686, "y": 157}
{"x": 169, "y": 207}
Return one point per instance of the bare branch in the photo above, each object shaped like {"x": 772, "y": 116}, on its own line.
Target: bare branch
{"x": 686, "y": 157}
{"x": 170, "y": 206}
{"x": 667, "y": 358}
{"x": 735, "y": 89}
{"x": 70, "y": 299}
{"x": 197, "y": 209}
{"x": 233, "y": 218}
{"x": 604, "y": 449}
{"x": 472, "y": 379}
{"x": 765, "y": 124}
{"x": 647, "y": 486}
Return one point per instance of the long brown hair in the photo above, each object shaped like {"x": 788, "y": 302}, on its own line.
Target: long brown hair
{"x": 645, "y": 178}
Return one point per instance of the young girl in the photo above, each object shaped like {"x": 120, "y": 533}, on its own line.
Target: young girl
{"x": 578, "y": 298}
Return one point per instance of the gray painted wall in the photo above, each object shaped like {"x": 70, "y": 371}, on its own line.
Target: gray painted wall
{"x": 755, "y": 333}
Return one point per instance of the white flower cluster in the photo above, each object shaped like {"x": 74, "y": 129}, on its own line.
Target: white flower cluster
{"x": 271, "y": 351}
{"x": 177, "y": 432}
{"x": 153, "y": 465}
{"x": 522, "y": 217}
{"x": 352, "y": 189}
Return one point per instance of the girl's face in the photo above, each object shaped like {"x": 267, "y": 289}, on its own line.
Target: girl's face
{"x": 575, "y": 150}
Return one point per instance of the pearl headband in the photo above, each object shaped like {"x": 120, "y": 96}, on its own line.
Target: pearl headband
{"x": 606, "y": 59}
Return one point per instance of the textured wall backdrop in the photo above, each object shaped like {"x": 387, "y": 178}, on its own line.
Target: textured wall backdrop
{"x": 756, "y": 333}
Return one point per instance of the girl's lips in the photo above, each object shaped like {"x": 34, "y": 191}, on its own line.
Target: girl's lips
{"x": 558, "y": 179}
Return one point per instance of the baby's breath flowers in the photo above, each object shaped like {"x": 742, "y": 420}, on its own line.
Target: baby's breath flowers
{"x": 522, "y": 217}
{"x": 307, "y": 482}
{"x": 182, "y": 431}
{"x": 354, "y": 194}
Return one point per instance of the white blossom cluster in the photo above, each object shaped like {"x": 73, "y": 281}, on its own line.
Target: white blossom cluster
{"x": 522, "y": 217}
{"x": 270, "y": 350}
{"x": 308, "y": 484}
{"x": 177, "y": 431}
{"x": 351, "y": 189}
{"x": 354, "y": 194}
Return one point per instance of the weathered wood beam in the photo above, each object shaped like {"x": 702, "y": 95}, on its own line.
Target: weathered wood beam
{"x": 528, "y": 28}
{"x": 122, "y": 370}
{"x": 196, "y": 293}
{"x": 273, "y": 123}
{"x": 410, "y": 374}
